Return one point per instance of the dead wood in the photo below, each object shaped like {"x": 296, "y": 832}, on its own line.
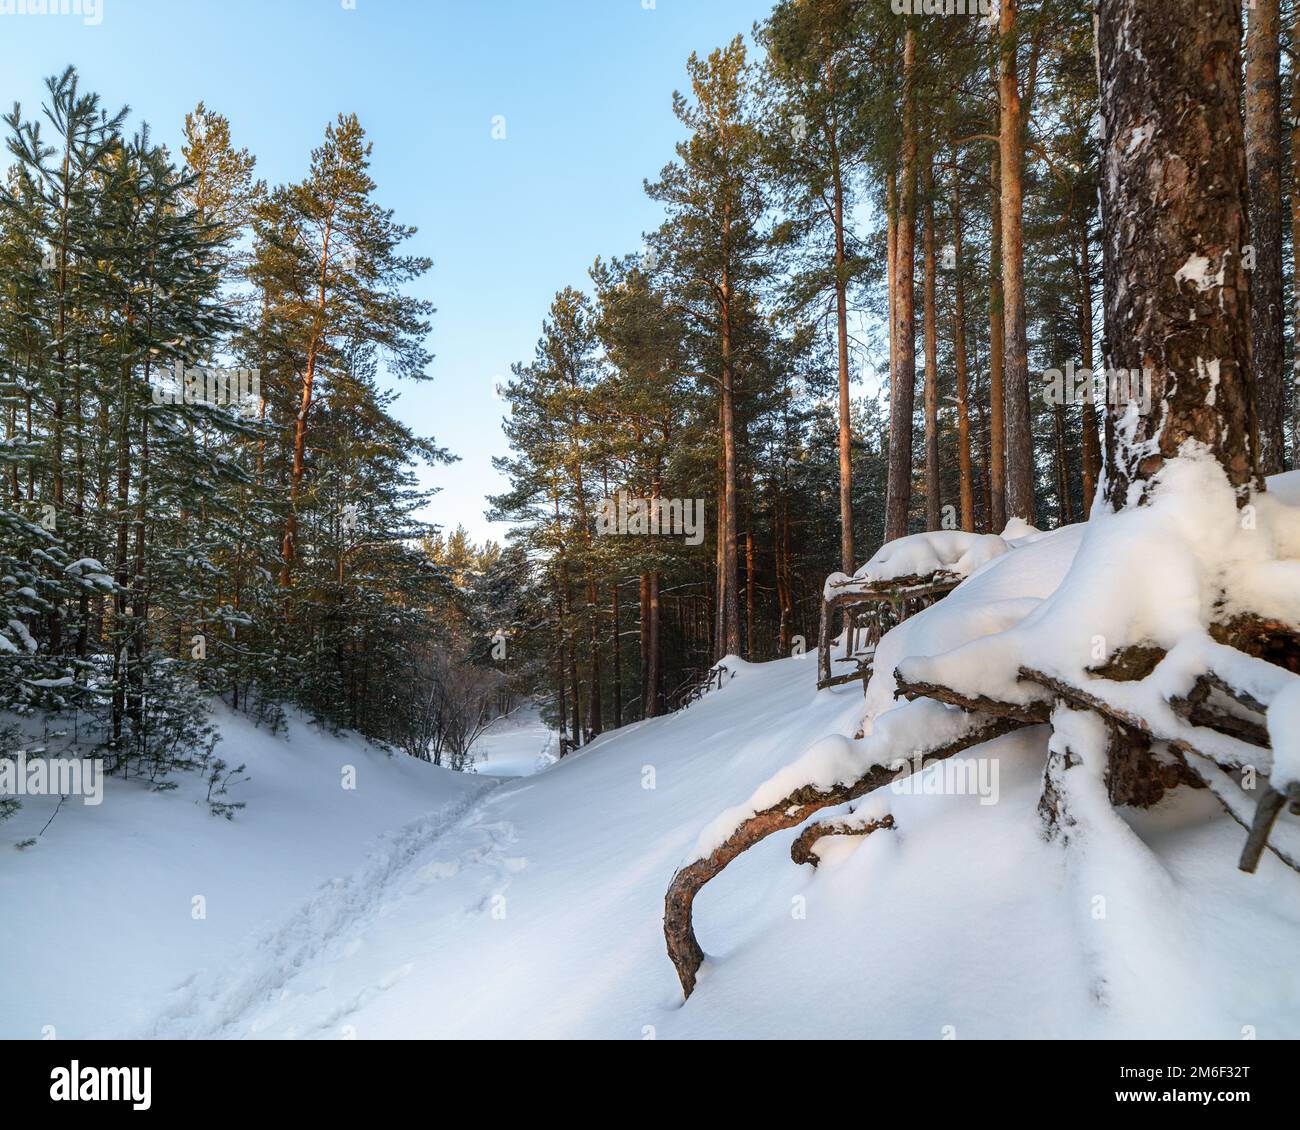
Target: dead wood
{"x": 801, "y": 851}
{"x": 1197, "y": 709}
{"x": 1030, "y": 713}
{"x": 1267, "y": 811}
{"x": 792, "y": 810}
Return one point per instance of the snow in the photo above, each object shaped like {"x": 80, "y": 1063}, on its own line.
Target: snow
{"x": 1197, "y": 270}
{"x": 919, "y": 555}
{"x": 1284, "y": 737}
{"x": 509, "y": 903}
{"x": 516, "y": 745}
{"x": 123, "y": 874}
{"x": 532, "y": 907}
{"x": 1154, "y": 574}
{"x": 954, "y": 553}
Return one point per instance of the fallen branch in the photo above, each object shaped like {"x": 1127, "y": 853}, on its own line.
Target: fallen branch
{"x": 801, "y": 851}
{"x": 1030, "y": 713}
{"x": 790, "y": 811}
{"x": 1267, "y": 811}
{"x": 1195, "y": 708}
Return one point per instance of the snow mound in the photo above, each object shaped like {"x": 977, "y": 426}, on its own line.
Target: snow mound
{"x": 939, "y": 551}
{"x": 938, "y": 554}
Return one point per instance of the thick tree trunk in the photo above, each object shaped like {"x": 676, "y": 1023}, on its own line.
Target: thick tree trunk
{"x": 1295, "y": 244}
{"x": 1264, "y": 176}
{"x": 898, "y": 493}
{"x": 1174, "y": 207}
{"x": 933, "y": 491}
{"x": 1019, "y": 437}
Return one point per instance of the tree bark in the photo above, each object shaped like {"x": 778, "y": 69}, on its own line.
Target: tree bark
{"x": 1019, "y": 432}
{"x": 1174, "y": 212}
{"x": 933, "y": 490}
{"x": 842, "y": 341}
{"x": 1091, "y": 438}
{"x": 898, "y": 493}
{"x": 616, "y": 650}
{"x": 1295, "y": 243}
{"x": 1264, "y": 177}
{"x": 997, "y": 466}
{"x": 966, "y": 483}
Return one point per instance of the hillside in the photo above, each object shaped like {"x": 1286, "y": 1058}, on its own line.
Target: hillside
{"x": 427, "y": 903}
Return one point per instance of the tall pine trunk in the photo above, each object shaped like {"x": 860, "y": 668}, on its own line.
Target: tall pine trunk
{"x": 933, "y": 492}
{"x": 1019, "y": 433}
{"x": 997, "y": 466}
{"x": 966, "y": 484}
{"x": 898, "y": 492}
{"x": 842, "y": 341}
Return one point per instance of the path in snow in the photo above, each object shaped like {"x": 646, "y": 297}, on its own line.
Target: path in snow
{"x": 517, "y": 745}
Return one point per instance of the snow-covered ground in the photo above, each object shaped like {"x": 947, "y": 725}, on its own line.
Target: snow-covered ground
{"x": 516, "y": 745}
{"x": 427, "y": 903}
{"x": 532, "y": 907}
{"x": 98, "y": 921}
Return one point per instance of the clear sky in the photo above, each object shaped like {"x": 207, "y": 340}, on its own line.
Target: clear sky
{"x": 585, "y": 87}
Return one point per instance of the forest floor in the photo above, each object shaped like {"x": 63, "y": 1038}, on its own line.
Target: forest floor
{"x": 427, "y": 903}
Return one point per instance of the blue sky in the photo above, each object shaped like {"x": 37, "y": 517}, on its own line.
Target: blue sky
{"x": 585, "y": 87}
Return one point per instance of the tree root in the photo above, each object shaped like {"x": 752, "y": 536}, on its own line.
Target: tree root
{"x": 679, "y": 930}
{"x": 801, "y": 851}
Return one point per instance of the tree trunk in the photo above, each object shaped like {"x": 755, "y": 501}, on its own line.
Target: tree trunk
{"x": 1019, "y": 437}
{"x": 898, "y": 493}
{"x": 966, "y": 485}
{"x": 1174, "y": 212}
{"x": 595, "y": 718}
{"x": 654, "y": 678}
{"x": 616, "y": 649}
{"x": 645, "y": 645}
{"x": 1091, "y": 440}
{"x": 997, "y": 473}
{"x": 751, "y": 639}
{"x": 933, "y": 491}
{"x": 1264, "y": 176}
{"x": 841, "y": 330}
{"x": 1295, "y": 243}
{"x": 1065, "y": 503}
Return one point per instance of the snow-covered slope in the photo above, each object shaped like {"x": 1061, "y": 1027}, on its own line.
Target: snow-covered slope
{"x": 98, "y": 921}
{"x": 533, "y": 907}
